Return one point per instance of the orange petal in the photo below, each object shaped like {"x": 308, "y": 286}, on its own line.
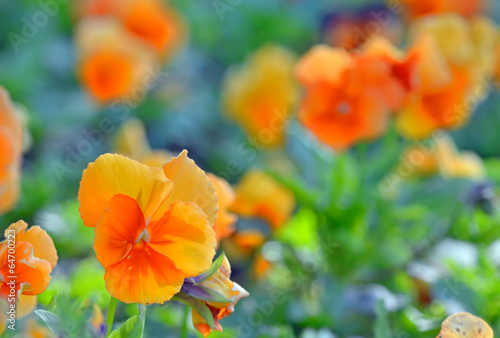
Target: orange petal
{"x": 43, "y": 246}
{"x": 119, "y": 227}
{"x": 144, "y": 277}
{"x": 191, "y": 184}
{"x": 9, "y": 191}
{"x": 32, "y": 274}
{"x": 224, "y": 225}
{"x": 113, "y": 174}
{"x": 185, "y": 236}
{"x": 322, "y": 63}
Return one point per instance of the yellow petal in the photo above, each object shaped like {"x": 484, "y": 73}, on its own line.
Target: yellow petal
{"x": 191, "y": 184}
{"x": 113, "y": 174}
{"x": 25, "y": 305}
{"x": 43, "y": 246}
{"x": 185, "y": 236}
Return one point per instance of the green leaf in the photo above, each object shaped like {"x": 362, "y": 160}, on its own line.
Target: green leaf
{"x": 132, "y": 328}
{"x": 207, "y": 274}
{"x": 382, "y": 327}
{"x": 197, "y": 306}
{"x": 51, "y": 320}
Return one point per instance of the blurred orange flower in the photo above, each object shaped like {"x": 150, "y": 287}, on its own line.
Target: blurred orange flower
{"x": 428, "y": 7}
{"x": 260, "y": 94}
{"x": 350, "y": 96}
{"x": 27, "y": 257}
{"x": 259, "y": 195}
{"x": 456, "y": 58}
{"x": 113, "y": 64}
{"x": 465, "y": 325}
{"x": 131, "y": 141}
{"x": 220, "y": 283}
{"x": 224, "y": 225}
{"x": 243, "y": 243}
{"x": 11, "y": 148}
{"x": 153, "y": 227}
{"x": 153, "y": 21}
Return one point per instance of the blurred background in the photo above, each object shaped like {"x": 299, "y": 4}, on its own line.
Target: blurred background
{"x": 334, "y": 256}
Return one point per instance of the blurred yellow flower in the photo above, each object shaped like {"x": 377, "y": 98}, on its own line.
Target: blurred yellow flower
{"x": 259, "y": 195}
{"x": 11, "y": 148}
{"x": 465, "y": 325}
{"x": 131, "y": 141}
{"x": 221, "y": 284}
{"x": 260, "y": 94}
{"x": 443, "y": 157}
{"x": 113, "y": 64}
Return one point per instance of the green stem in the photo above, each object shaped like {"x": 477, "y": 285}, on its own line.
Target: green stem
{"x": 110, "y": 317}
{"x": 142, "y": 315}
{"x": 184, "y": 328}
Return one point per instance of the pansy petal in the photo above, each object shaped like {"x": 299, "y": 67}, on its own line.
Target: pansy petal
{"x": 465, "y": 325}
{"x": 184, "y": 235}
{"x": 191, "y": 184}
{"x": 117, "y": 230}
{"x": 43, "y": 246}
{"x": 25, "y": 305}
{"x": 31, "y": 273}
{"x": 144, "y": 277}
{"x": 113, "y": 174}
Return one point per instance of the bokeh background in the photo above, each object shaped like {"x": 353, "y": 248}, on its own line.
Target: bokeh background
{"x": 368, "y": 266}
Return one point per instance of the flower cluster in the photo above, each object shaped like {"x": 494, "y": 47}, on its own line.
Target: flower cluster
{"x": 121, "y": 44}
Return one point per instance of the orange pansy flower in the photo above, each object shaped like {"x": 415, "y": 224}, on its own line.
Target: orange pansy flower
{"x": 27, "y": 257}
{"x": 259, "y": 195}
{"x": 224, "y": 225}
{"x": 428, "y": 7}
{"x": 465, "y": 325}
{"x": 455, "y": 59}
{"x": 220, "y": 283}
{"x": 11, "y": 148}
{"x": 131, "y": 141}
{"x": 113, "y": 64}
{"x": 260, "y": 94}
{"x": 243, "y": 243}
{"x": 152, "y": 21}
{"x": 153, "y": 227}
{"x": 350, "y": 96}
